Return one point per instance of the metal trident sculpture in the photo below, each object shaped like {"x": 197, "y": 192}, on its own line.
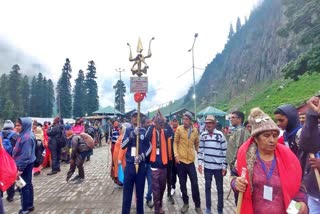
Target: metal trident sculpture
{"x": 138, "y": 70}
{"x": 139, "y": 60}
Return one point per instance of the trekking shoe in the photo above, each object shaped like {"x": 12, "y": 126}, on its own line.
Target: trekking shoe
{"x": 88, "y": 158}
{"x": 172, "y": 192}
{"x": 79, "y": 181}
{"x": 9, "y": 199}
{"x": 77, "y": 177}
{"x": 36, "y": 173}
{"x": 52, "y": 173}
{"x": 208, "y": 211}
{"x": 161, "y": 211}
{"x": 170, "y": 200}
{"x": 150, "y": 204}
{"x": 198, "y": 210}
{"x": 31, "y": 209}
{"x": 185, "y": 208}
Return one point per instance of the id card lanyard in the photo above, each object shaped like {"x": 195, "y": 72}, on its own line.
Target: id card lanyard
{"x": 267, "y": 189}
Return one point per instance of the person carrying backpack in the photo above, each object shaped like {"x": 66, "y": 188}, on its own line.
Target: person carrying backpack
{"x": 81, "y": 146}
{"x": 90, "y": 130}
{"x": 9, "y": 141}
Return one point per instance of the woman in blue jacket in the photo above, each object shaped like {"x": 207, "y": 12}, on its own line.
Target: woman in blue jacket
{"x": 24, "y": 156}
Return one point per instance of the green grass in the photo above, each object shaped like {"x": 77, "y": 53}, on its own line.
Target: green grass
{"x": 283, "y": 92}
{"x": 268, "y": 96}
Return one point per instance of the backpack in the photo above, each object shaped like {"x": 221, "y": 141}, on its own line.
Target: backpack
{"x": 88, "y": 140}
{"x": 39, "y": 152}
{"x": 62, "y": 138}
{"x": 7, "y": 143}
{"x": 91, "y": 131}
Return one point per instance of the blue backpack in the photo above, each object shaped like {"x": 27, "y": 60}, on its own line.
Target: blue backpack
{"x": 7, "y": 143}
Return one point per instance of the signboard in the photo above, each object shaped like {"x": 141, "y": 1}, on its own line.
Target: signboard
{"x": 138, "y": 84}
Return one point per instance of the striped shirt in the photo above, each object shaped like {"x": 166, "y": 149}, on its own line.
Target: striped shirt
{"x": 212, "y": 150}
{"x": 115, "y": 135}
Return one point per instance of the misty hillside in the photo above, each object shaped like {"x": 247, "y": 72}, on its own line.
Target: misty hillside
{"x": 277, "y": 32}
{"x": 10, "y": 55}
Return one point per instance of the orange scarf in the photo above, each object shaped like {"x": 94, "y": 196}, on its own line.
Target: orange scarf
{"x": 164, "y": 156}
{"x": 170, "y": 148}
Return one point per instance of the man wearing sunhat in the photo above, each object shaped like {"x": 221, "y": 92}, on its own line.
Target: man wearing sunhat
{"x": 212, "y": 160}
{"x": 131, "y": 177}
{"x": 186, "y": 142}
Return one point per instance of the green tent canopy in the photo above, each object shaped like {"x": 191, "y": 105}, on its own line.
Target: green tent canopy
{"x": 108, "y": 111}
{"x": 211, "y": 111}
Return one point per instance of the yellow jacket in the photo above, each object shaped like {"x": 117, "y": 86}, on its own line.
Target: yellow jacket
{"x": 185, "y": 144}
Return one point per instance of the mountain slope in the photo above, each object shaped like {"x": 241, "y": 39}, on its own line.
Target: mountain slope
{"x": 277, "y": 32}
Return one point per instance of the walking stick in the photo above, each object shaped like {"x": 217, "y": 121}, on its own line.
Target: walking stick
{"x": 240, "y": 197}
{"x": 316, "y": 171}
{"x": 137, "y": 137}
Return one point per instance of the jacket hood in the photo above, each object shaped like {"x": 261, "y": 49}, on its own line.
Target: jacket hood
{"x": 26, "y": 125}
{"x": 292, "y": 114}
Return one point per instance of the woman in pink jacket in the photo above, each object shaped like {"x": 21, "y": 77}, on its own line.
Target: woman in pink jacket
{"x": 78, "y": 127}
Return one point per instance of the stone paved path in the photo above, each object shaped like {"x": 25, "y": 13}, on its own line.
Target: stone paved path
{"x": 97, "y": 194}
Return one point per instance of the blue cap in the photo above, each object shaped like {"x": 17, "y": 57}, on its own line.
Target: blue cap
{"x": 67, "y": 127}
{"x": 134, "y": 113}
{"x": 174, "y": 118}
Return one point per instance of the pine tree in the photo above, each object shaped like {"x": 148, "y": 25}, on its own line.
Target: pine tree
{"x": 25, "y": 92}
{"x": 92, "y": 98}
{"x": 33, "y": 98}
{"x": 4, "y": 94}
{"x": 64, "y": 96}
{"x": 238, "y": 26}
{"x": 119, "y": 96}
{"x": 231, "y": 32}
{"x": 79, "y": 95}
{"x": 14, "y": 89}
{"x": 50, "y": 98}
{"x": 44, "y": 100}
{"x": 39, "y": 95}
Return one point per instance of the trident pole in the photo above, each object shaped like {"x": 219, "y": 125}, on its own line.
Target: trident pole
{"x": 138, "y": 137}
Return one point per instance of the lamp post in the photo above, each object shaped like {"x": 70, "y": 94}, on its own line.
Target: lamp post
{"x": 194, "y": 79}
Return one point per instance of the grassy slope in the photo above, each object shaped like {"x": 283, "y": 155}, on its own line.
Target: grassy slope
{"x": 268, "y": 95}
{"x": 292, "y": 92}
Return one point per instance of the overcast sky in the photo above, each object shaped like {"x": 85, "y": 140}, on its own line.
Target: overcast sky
{"x": 96, "y": 30}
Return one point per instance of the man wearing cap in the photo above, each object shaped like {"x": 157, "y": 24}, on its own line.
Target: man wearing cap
{"x": 131, "y": 177}
{"x": 212, "y": 157}
{"x": 186, "y": 142}
{"x": 158, "y": 159}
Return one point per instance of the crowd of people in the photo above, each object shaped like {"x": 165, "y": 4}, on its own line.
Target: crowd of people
{"x": 35, "y": 146}
{"x": 273, "y": 165}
